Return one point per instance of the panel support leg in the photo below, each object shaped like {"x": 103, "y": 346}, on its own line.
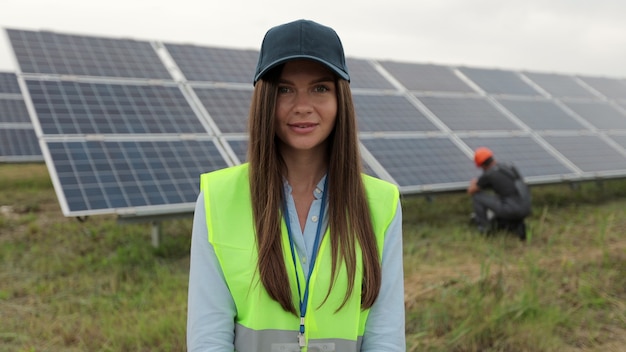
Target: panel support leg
{"x": 156, "y": 234}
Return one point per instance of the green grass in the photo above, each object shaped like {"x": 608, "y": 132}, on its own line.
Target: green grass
{"x": 96, "y": 285}
{"x": 562, "y": 290}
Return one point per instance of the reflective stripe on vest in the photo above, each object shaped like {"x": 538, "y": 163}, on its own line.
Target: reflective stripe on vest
{"x": 261, "y": 323}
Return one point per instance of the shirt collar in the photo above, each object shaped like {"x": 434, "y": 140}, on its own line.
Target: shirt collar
{"x": 317, "y": 193}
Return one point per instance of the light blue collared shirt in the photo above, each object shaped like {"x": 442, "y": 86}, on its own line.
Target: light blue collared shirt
{"x": 211, "y": 310}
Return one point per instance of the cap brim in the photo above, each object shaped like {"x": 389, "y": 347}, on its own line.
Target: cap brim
{"x": 283, "y": 60}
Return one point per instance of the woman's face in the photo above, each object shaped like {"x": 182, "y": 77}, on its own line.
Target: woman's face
{"x": 306, "y": 107}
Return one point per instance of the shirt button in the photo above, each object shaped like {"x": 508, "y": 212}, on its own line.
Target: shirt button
{"x": 318, "y": 191}
{"x": 314, "y": 218}
{"x": 304, "y": 260}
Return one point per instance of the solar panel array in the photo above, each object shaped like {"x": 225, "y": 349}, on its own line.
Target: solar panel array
{"x": 18, "y": 141}
{"x": 127, "y": 126}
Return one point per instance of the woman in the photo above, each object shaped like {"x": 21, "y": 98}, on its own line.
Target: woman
{"x": 296, "y": 250}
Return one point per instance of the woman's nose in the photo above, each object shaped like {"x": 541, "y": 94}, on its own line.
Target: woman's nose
{"x": 302, "y": 103}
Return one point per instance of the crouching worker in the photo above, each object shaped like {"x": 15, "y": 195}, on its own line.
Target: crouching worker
{"x": 509, "y": 202}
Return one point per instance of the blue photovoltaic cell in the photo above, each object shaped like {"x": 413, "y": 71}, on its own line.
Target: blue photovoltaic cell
{"x": 530, "y": 158}
{"x": 52, "y": 53}
{"x": 376, "y": 113}
{"x": 559, "y": 86}
{"x": 66, "y": 107}
{"x": 541, "y": 114}
{"x": 609, "y": 87}
{"x": 468, "y": 114}
{"x": 8, "y": 83}
{"x": 425, "y": 77}
{"x": 601, "y": 115}
{"x": 589, "y": 153}
{"x": 16, "y": 142}
{"x": 240, "y": 147}
{"x": 200, "y": 63}
{"x": 229, "y": 108}
{"x": 13, "y": 111}
{"x": 99, "y": 175}
{"x": 427, "y": 161}
{"x": 499, "y": 81}
{"x": 364, "y": 75}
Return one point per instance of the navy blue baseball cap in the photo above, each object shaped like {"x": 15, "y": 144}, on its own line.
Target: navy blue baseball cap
{"x": 301, "y": 39}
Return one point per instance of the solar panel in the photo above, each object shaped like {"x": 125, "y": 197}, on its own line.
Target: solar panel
{"x": 18, "y": 141}
{"x": 619, "y": 139}
{"x": 599, "y": 114}
{"x": 123, "y": 135}
{"x": 214, "y": 64}
{"x": 609, "y": 87}
{"x": 228, "y": 108}
{"x": 541, "y": 114}
{"x": 468, "y": 114}
{"x": 388, "y": 113}
{"x": 8, "y": 83}
{"x": 425, "y": 77}
{"x": 559, "y": 86}
{"x": 103, "y": 175}
{"x": 19, "y": 145}
{"x": 364, "y": 75}
{"x": 590, "y": 153}
{"x": 120, "y": 134}
{"x": 499, "y": 81}
{"x": 63, "y": 54}
{"x": 70, "y": 107}
{"x": 13, "y": 110}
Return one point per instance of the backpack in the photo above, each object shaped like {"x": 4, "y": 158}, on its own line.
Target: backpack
{"x": 522, "y": 188}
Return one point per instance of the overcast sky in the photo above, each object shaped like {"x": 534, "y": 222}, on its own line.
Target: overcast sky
{"x": 563, "y": 36}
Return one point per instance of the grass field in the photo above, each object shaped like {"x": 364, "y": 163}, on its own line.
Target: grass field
{"x": 95, "y": 285}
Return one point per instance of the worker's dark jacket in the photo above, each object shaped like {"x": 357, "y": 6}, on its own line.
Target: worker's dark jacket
{"x": 510, "y": 201}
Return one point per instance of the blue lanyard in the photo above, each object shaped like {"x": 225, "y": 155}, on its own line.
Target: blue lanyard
{"x": 304, "y": 299}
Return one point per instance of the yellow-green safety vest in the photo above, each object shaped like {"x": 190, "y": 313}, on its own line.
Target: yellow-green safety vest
{"x": 261, "y": 324}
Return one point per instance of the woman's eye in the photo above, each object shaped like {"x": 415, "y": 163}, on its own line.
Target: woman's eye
{"x": 321, "y": 89}
{"x": 283, "y": 90}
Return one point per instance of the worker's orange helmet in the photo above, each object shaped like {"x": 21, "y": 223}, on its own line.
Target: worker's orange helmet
{"x": 481, "y": 155}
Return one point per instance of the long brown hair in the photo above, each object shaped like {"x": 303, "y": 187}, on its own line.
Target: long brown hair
{"x": 349, "y": 214}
